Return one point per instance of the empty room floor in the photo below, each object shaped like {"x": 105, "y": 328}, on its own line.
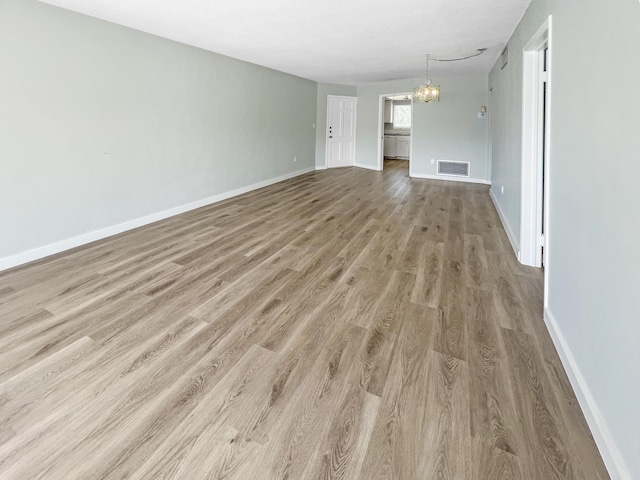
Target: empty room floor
{"x": 343, "y": 324}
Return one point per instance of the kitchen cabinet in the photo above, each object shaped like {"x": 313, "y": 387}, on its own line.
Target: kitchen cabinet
{"x": 389, "y": 146}
{"x": 397, "y": 146}
{"x": 403, "y": 146}
{"x": 388, "y": 111}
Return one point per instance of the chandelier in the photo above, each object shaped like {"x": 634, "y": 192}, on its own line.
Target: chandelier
{"x": 428, "y": 92}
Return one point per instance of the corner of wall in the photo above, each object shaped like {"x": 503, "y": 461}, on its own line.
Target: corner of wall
{"x": 513, "y": 238}
{"x": 603, "y": 438}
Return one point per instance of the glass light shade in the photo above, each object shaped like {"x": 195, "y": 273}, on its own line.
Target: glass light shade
{"x": 427, "y": 93}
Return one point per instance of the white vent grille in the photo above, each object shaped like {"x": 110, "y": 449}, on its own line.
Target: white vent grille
{"x": 504, "y": 57}
{"x": 450, "y": 167}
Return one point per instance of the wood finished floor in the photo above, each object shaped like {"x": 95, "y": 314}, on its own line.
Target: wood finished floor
{"x": 345, "y": 324}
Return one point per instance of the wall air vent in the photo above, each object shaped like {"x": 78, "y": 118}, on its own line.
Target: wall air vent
{"x": 450, "y": 167}
{"x": 504, "y": 57}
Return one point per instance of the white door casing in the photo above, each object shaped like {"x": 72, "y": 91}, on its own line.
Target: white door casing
{"x": 490, "y": 135}
{"x": 381, "y": 122}
{"x": 534, "y": 150}
{"x": 341, "y": 131}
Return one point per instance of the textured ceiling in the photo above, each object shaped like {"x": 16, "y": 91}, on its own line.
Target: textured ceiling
{"x": 336, "y": 41}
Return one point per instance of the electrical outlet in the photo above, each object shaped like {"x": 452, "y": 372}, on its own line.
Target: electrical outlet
{"x": 433, "y": 161}
{"x": 313, "y": 125}
{"x": 295, "y": 159}
{"x": 502, "y": 189}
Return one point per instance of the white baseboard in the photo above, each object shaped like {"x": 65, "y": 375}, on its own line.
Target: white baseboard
{"x": 450, "y": 178}
{"x": 515, "y": 243}
{"x": 603, "y": 438}
{"x": 321, "y": 167}
{"x": 83, "y": 239}
{"x": 368, "y": 167}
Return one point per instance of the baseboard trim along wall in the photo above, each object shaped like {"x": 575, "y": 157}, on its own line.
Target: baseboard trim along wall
{"x": 79, "y": 240}
{"x": 321, "y": 167}
{"x": 450, "y": 178}
{"x": 605, "y": 442}
{"x": 368, "y": 167}
{"x": 515, "y": 242}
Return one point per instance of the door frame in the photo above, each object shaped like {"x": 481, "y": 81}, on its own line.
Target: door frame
{"x": 381, "y": 98}
{"x": 489, "y": 172}
{"x": 326, "y": 129}
{"x": 533, "y": 151}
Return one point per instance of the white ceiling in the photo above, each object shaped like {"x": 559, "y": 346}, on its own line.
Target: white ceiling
{"x": 336, "y": 41}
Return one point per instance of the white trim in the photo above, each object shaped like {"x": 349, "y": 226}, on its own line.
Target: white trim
{"x": 83, "y": 239}
{"x": 547, "y": 167}
{"x": 531, "y": 177}
{"x": 507, "y": 228}
{"x": 369, "y": 167}
{"x": 489, "y": 170}
{"x": 603, "y": 438}
{"x": 321, "y": 167}
{"x": 450, "y": 178}
{"x": 380, "y": 158}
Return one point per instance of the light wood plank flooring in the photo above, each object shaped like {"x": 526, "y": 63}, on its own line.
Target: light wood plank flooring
{"x": 345, "y": 324}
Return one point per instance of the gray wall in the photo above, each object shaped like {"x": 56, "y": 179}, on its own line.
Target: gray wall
{"x": 447, "y": 130}
{"x": 506, "y": 125}
{"x": 325, "y": 89}
{"x": 594, "y": 281}
{"x": 100, "y": 124}
{"x": 450, "y": 129}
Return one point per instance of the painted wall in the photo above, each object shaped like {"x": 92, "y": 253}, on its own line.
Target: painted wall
{"x": 101, "y": 124}
{"x": 506, "y": 125}
{"x": 325, "y": 89}
{"x": 594, "y": 226}
{"x": 450, "y": 129}
{"x": 447, "y": 130}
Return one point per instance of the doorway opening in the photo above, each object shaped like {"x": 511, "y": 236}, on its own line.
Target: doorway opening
{"x": 395, "y": 128}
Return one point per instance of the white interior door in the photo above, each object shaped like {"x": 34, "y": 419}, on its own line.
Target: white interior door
{"x": 341, "y": 131}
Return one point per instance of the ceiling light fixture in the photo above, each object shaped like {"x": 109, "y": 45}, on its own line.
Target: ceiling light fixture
{"x": 427, "y": 92}
{"x": 430, "y": 93}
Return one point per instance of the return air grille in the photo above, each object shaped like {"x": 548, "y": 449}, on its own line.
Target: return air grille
{"x": 448, "y": 167}
{"x": 504, "y": 57}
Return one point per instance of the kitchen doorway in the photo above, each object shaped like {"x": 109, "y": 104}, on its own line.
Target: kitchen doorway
{"x": 395, "y": 129}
